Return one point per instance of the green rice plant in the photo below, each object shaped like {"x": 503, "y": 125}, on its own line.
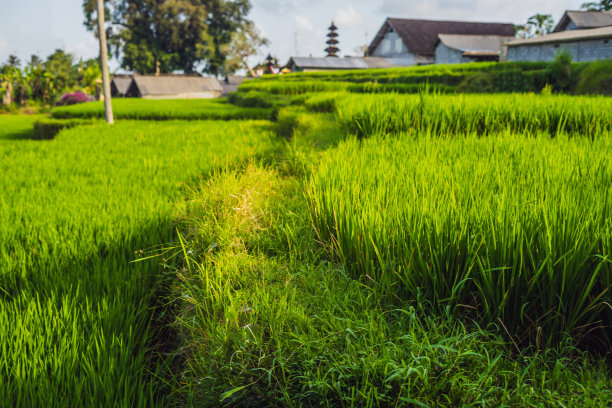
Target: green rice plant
{"x": 377, "y": 87}
{"x": 76, "y": 314}
{"x": 515, "y": 230}
{"x": 324, "y": 102}
{"x": 14, "y": 127}
{"x": 407, "y": 74}
{"x": 264, "y": 322}
{"x": 444, "y": 115}
{"x": 292, "y": 87}
{"x": 147, "y": 109}
{"x": 596, "y": 78}
{"x": 48, "y": 128}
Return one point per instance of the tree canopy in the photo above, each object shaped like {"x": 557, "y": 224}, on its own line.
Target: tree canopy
{"x": 244, "y": 43}
{"x": 602, "y": 5}
{"x": 164, "y": 36}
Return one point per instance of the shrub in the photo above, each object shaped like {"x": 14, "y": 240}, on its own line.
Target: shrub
{"x": 73, "y": 98}
{"x": 560, "y": 73}
{"x": 46, "y": 129}
{"x": 596, "y": 78}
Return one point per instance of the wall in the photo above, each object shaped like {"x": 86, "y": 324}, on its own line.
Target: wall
{"x": 446, "y": 55}
{"x": 191, "y": 95}
{"x": 581, "y": 51}
{"x": 392, "y": 46}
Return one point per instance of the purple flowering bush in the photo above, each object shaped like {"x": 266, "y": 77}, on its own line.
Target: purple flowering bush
{"x": 72, "y": 98}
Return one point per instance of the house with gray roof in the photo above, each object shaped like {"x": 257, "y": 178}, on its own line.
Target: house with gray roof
{"x": 586, "y": 35}
{"x": 309, "y": 64}
{"x": 120, "y": 85}
{"x": 414, "y": 41}
{"x": 457, "y": 49}
{"x": 170, "y": 86}
{"x": 583, "y": 20}
{"x": 583, "y": 45}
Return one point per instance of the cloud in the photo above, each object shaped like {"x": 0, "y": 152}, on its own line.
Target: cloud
{"x": 348, "y": 17}
{"x": 86, "y": 48}
{"x": 309, "y": 38}
{"x": 304, "y": 23}
{"x": 281, "y": 7}
{"x": 473, "y": 10}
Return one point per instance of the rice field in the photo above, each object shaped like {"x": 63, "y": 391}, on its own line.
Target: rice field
{"x": 147, "y": 109}
{"x": 452, "y": 115}
{"x": 368, "y": 248}
{"x": 75, "y": 312}
{"x": 516, "y": 228}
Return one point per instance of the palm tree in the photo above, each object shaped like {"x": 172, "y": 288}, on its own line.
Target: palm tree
{"x": 602, "y": 5}
{"x": 540, "y": 24}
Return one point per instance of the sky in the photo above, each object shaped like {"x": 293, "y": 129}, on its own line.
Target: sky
{"x": 293, "y": 27}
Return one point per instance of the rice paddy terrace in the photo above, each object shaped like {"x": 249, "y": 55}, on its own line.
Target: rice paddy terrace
{"x": 317, "y": 240}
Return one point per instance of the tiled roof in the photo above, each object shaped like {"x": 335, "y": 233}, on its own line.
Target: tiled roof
{"x": 584, "y": 19}
{"x": 475, "y": 44}
{"x": 420, "y": 36}
{"x": 175, "y": 84}
{"x": 566, "y": 36}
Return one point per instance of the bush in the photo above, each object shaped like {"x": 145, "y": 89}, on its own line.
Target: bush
{"x": 560, "y": 73}
{"x": 47, "y": 129}
{"x": 73, "y": 98}
{"x": 596, "y": 78}
{"x": 509, "y": 80}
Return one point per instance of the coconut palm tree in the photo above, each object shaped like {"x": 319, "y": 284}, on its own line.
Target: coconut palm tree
{"x": 602, "y": 5}
{"x": 540, "y": 24}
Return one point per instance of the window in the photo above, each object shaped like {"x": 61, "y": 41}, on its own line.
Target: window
{"x": 386, "y": 46}
{"x": 556, "y": 45}
{"x": 398, "y": 45}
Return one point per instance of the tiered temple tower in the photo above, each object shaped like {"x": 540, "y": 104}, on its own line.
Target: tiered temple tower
{"x": 332, "y": 49}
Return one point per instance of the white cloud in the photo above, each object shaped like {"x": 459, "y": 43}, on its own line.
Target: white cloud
{"x": 348, "y": 17}
{"x": 304, "y": 23}
{"x": 85, "y": 48}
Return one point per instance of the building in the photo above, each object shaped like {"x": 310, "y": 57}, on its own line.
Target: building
{"x": 583, "y": 20}
{"x": 172, "y": 86}
{"x": 413, "y": 41}
{"x": 584, "y": 45}
{"x": 120, "y": 85}
{"x": 310, "y": 64}
{"x": 231, "y": 83}
{"x": 457, "y": 49}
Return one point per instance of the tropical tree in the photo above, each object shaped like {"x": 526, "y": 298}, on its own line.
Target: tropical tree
{"x": 244, "y": 44}
{"x": 89, "y": 76}
{"x": 63, "y": 68}
{"x": 540, "y": 24}
{"x": 602, "y": 5}
{"x": 163, "y": 36}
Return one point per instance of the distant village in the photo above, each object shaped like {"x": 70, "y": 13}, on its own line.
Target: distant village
{"x": 585, "y": 35}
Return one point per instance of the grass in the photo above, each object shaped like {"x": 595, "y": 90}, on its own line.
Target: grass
{"x": 517, "y": 229}
{"x": 596, "y": 78}
{"x": 365, "y": 250}
{"x": 408, "y": 74}
{"x": 448, "y": 115}
{"x": 266, "y": 321}
{"x": 16, "y": 127}
{"x": 75, "y": 313}
{"x": 146, "y": 109}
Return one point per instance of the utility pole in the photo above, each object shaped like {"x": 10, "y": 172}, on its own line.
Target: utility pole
{"x": 108, "y": 108}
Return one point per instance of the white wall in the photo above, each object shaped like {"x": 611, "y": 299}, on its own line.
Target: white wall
{"x": 391, "y": 46}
